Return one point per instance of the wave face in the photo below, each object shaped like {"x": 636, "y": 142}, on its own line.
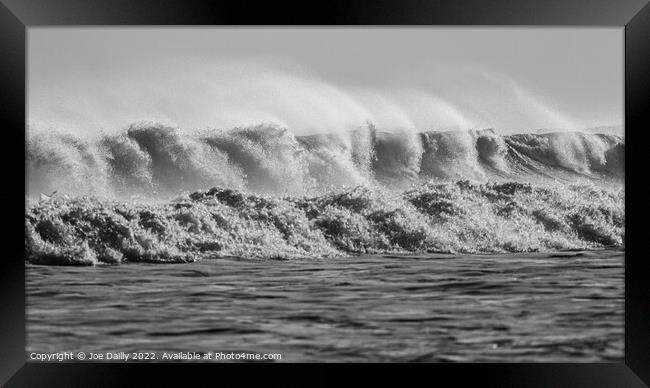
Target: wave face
{"x": 432, "y": 217}
{"x": 158, "y": 162}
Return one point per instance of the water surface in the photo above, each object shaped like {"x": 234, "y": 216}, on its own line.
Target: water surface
{"x": 560, "y": 307}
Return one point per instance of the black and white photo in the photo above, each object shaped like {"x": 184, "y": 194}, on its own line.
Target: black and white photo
{"x": 325, "y": 194}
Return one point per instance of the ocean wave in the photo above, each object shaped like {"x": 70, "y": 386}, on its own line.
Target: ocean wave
{"x": 156, "y": 161}
{"x": 461, "y": 216}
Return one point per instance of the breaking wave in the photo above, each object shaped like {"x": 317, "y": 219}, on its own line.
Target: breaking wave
{"x": 159, "y": 162}
{"x": 141, "y": 195}
{"x": 431, "y": 217}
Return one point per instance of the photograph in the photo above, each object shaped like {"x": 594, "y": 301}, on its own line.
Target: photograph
{"x": 308, "y": 194}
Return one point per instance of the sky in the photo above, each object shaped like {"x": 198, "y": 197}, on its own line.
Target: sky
{"x": 310, "y": 80}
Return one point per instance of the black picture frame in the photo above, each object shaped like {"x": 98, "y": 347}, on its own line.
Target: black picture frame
{"x": 16, "y": 16}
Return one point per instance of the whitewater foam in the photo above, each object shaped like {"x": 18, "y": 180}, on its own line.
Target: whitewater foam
{"x": 442, "y": 217}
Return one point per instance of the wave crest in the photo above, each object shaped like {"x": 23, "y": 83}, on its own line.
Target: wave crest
{"x": 158, "y": 161}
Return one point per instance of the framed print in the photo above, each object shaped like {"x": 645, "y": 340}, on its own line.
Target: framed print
{"x": 227, "y": 187}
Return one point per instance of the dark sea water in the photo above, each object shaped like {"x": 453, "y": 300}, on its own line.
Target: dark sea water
{"x": 562, "y": 307}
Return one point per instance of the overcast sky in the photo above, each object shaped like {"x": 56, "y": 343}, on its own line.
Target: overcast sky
{"x": 320, "y": 79}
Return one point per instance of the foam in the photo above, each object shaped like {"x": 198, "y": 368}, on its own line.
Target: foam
{"x": 459, "y": 216}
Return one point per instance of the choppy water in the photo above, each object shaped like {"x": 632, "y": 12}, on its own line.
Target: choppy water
{"x": 565, "y": 307}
